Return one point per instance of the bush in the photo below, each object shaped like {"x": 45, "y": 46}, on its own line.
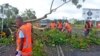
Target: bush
{"x": 38, "y": 48}
{"x": 55, "y": 37}
{"x": 6, "y": 41}
{"x": 78, "y": 42}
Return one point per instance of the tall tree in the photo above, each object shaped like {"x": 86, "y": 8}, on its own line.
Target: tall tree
{"x": 30, "y": 14}
{"x": 8, "y": 10}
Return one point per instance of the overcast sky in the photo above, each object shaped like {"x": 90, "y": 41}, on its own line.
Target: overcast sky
{"x": 43, "y": 6}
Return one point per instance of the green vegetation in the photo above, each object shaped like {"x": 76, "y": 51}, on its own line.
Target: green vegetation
{"x": 55, "y": 37}
{"x": 38, "y": 48}
{"x": 94, "y": 39}
{"x": 6, "y": 41}
{"x": 78, "y": 42}
{"x": 38, "y": 44}
{"x": 84, "y": 42}
{"x": 9, "y": 10}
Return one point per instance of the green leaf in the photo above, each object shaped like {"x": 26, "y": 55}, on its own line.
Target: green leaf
{"x": 79, "y": 6}
{"x": 75, "y": 2}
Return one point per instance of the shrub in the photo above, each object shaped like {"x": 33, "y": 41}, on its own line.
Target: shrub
{"x": 6, "y": 41}
{"x": 55, "y": 37}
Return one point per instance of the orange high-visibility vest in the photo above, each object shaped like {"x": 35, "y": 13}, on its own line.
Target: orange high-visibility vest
{"x": 27, "y": 44}
{"x": 52, "y": 25}
{"x": 60, "y": 25}
{"x": 68, "y": 27}
{"x": 29, "y": 27}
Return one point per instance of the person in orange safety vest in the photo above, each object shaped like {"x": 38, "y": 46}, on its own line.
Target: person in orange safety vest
{"x": 60, "y": 25}
{"x": 53, "y": 25}
{"x": 67, "y": 27}
{"x": 23, "y": 38}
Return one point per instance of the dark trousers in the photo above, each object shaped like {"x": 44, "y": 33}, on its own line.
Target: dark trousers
{"x": 86, "y": 33}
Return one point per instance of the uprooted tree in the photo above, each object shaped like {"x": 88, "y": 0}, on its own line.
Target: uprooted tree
{"x": 12, "y": 11}
{"x": 74, "y": 2}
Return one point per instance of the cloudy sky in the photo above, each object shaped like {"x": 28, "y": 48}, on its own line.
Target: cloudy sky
{"x": 43, "y": 6}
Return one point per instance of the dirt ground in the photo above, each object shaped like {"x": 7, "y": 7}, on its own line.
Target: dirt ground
{"x": 7, "y": 50}
{"x": 92, "y": 51}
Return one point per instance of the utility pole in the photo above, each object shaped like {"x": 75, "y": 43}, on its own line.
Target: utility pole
{"x": 96, "y": 17}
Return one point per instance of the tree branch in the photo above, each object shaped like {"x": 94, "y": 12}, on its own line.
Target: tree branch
{"x": 34, "y": 20}
{"x": 61, "y": 5}
{"x": 51, "y": 5}
{"x": 51, "y": 10}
